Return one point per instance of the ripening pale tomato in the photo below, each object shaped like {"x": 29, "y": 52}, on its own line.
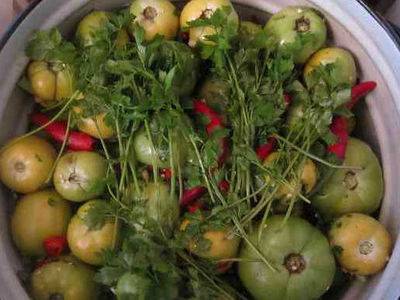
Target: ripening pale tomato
{"x": 36, "y": 217}
{"x": 198, "y": 9}
{"x": 300, "y": 253}
{"x": 358, "y": 189}
{"x": 80, "y": 175}
{"x": 156, "y": 17}
{"x": 299, "y": 30}
{"x": 66, "y": 279}
{"x": 88, "y": 26}
{"x": 344, "y": 66}
{"x": 87, "y": 243}
{"x": 51, "y": 82}
{"x": 95, "y": 126}
{"x": 223, "y": 244}
{"x": 26, "y": 164}
{"x": 361, "y": 244}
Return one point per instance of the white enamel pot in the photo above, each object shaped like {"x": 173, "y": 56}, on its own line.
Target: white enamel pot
{"x": 352, "y": 26}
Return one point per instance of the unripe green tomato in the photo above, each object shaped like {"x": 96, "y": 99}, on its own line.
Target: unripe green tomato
{"x": 88, "y": 26}
{"x": 361, "y": 244}
{"x": 162, "y": 207}
{"x": 86, "y": 243}
{"x": 26, "y": 164}
{"x": 38, "y": 216}
{"x": 80, "y": 176}
{"x": 358, "y": 189}
{"x": 198, "y": 9}
{"x": 301, "y": 255}
{"x": 301, "y": 30}
{"x": 149, "y": 154}
{"x": 156, "y": 17}
{"x": 66, "y": 279}
{"x": 51, "y": 82}
{"x": 216, "y": 94}
{"x": 344, "y": 71}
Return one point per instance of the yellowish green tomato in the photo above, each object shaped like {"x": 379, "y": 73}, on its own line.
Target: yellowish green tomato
{"x": 304, "y": 265}
{"x": 361, "y": 244}
{"x": 51, "y": 82}
{"x": 26, "y": 164}
{"x": 66, "y": 279}
{"x": 358, "y": 189}
{"x": 156, "y": 151}
{"x": 161, "y": 206}
{"x": 300, "y": 30}
{"x": 156, "y": 17}
{"x": 95, "y": 126}
{"x": 223, "y": 244}
{"x": 201, "y": 9}
{"x": 344, "y": 69}
{"x": 89, "y": 25}
{"x": 38, "y": 216}
{"x": 80, "y": 176}
{"x": 87, "y": 243}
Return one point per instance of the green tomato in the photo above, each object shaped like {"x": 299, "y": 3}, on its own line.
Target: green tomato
{"x": 295, "y": 115}
{"x": 51, "y": 82}
{"x": 26, "y": 164}
{"x": 248, "y": 30}
{"x": 352, "y": 190}
{"x": 38, "y": 216}
{"x": 88, "y": 243}
{"x": 200, "y": 9}
{"x": 157, "y": 17}
{"x": 89, "y": 25}
{"x": 344, "y": 67}
{"x": 66, "y": 279}
{"x": 216, "y": 93}
{"x": 156, "y": 151}
{"x": 161, "y": 206}
{"x": 301, "y": 30}
{"x": 80, "y": 176}
{"x": 301, "y": 255}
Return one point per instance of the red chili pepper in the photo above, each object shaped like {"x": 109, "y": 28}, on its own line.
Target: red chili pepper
{"x": 266, "y": 149}
{"x": 202, "y": 108}
{"x": 222, "y": 267}
{"x": 224, "y": 186}
{"x": 215, "y": 122}
{"x": 287, "y": 98}
{"x": 166, "y": 173}
{"x": 77, "y": 141}
{"x": 339, "y": 128}
{"x": 359, "y": 91}
{"x": 192, "y": 194}
{"x": 55, "y": 245}
{"x": 193, "y": 207}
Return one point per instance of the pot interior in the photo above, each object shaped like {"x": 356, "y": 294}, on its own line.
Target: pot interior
{"x": 377, "y": 120}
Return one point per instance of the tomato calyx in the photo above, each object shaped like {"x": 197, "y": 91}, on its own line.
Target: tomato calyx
{"x": 302, "y": 24}
{"x": 350, "y": 180}
{"x": 150, "y": 13}
{"x": 294, "y": 263}
{"x": 55, "y": 245}
{"x": 366, "y": 247}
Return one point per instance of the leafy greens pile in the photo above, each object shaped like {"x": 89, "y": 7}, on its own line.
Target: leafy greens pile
{"x": 146, "y": 86}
